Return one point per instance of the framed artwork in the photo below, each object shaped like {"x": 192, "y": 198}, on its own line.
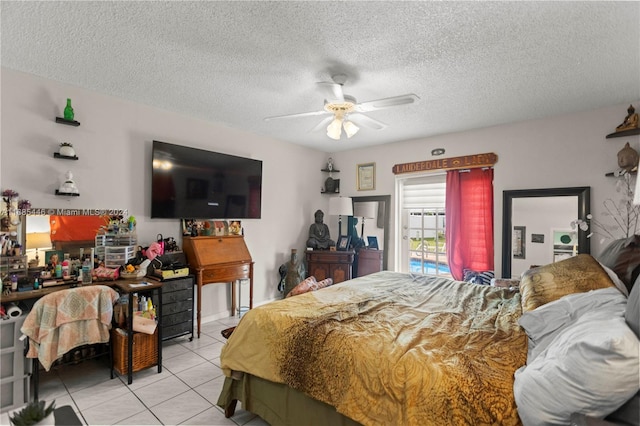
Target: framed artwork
{"x": 188, "y": 226}
{"x": 219, "y": 228}
{"x": 518, "y": 242}
{"x": 537, "y": 238}
{"x": 366, "y": 177}
{"x": 373, "y": 242}
{"x": 235, "y": 227}
{"x": 343, "y": 243}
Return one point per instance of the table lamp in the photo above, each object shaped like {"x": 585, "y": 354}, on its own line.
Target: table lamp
{"x": 365, "y": 211}
{"x": 340, "y": 206}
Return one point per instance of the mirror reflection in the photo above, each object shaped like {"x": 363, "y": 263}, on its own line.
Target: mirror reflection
{"x": 537, "y": 227}
{"x": 371, "y": 217}
{"x": 45, "y": 234}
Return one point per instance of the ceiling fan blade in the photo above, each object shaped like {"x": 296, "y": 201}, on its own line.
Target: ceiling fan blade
{"x": 332, "y": 91}
{"x": 387, "y": 102}
{"x": 301, "y": 114}
{"x": 323, "y": 124}
{"x": 366, "y": 121}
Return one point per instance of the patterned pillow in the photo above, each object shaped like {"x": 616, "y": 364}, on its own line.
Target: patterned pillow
{"x": 547, "y": 283}
{"x": 470, "y": 276}
{"x": 485, "y": 277}
{"x": 310, "y": 284}
{"x": 475, "y": 277}
{"x": 303, "y": 287}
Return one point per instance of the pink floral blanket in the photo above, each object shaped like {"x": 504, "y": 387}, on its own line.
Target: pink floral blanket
{"x": 66, "y": 319}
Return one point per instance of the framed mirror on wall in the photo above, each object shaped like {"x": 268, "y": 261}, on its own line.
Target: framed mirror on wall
{"x": 375, "y": 225}
{"x": 536, "y": 227}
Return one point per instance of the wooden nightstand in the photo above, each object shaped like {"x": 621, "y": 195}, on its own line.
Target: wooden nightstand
{"x": 330, "y": 264}
{"x": 369, "y": 261}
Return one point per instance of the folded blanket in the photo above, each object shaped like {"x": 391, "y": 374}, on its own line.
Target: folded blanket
{"x": 66, "y": 319}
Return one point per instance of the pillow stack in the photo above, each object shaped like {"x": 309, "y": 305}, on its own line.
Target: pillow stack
{"x": 583, "y": 355}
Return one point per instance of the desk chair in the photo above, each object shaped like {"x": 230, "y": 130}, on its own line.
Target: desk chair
{"x": 67, "y": 319}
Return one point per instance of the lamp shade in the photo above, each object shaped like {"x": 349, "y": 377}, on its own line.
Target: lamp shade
{"x": 38, "y": 240}
{"x": 340, "y": 206}
{"x": 365, "y": 210}
{"x": 636, "y": 198}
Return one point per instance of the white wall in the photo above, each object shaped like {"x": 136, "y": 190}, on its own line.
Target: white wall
{"x": 561, "y": 151}
{"x": 113, "y": 143}
{"x": 114, "y": 139}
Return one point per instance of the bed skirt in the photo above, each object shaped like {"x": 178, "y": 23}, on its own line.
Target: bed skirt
{"x": 278, "y": 404}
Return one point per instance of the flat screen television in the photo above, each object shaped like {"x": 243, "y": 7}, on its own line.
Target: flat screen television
{"x": 199, "y": 184}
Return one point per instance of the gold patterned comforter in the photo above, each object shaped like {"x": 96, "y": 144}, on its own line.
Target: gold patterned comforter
{"x": 391, "y": 348}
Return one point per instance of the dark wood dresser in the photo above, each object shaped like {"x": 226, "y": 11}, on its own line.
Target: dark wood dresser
{"x": 330, "y": 264}
{"x": 219, "y": 260}
{"x": 369, "y": 261}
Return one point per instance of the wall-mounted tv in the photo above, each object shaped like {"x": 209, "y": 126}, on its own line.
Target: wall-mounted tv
{"x": 194, "y": 183}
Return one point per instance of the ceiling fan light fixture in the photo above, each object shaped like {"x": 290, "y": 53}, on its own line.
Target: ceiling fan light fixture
{"x": 350, "y": 129}
{"x": 334, "y": 130}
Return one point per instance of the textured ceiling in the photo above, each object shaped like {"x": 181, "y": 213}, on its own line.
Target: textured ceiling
{"x": 473, "y": 64}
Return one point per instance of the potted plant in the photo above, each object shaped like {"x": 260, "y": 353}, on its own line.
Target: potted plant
{"x": 66, "y": 149}
{"x": 35, "y": 413}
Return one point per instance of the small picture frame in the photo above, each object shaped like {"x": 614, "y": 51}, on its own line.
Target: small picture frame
{"x": 537, "y": 238}
{"x": 519, "y": 240}
{"x": 235, "y": 227}
{"x": 373, "y": 242}
{"x": 343, "y": 243}
{"x": 366, "y": 177}
{"x": 219, "y": 228}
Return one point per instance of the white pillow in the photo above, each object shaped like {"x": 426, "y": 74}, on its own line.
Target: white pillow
{"x": 544, "y": 323}
{"x": 591, "y": 368}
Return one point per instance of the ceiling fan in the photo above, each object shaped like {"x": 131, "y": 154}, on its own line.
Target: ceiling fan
{"x": 344, "y": 112}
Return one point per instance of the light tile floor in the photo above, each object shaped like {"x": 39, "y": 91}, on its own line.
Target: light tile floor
{"x": 184, "y": 393}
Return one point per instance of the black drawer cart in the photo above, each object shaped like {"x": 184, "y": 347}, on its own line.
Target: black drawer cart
{"x": 177, "y": 307}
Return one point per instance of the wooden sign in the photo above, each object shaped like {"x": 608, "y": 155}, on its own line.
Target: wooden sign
{"x": 452, "y": 163}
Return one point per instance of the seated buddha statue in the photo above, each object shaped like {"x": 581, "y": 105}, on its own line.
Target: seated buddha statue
{"x": 630, "y": 121}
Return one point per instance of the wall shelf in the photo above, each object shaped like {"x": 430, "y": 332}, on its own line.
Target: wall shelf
{"x": 630, "y": 132}
{"x": 73, "y": 123}
{"x": 64, "y": 157}
{"x": 613, "y": 174}
{"x": 67, "y": 194}
{"x": 330, "y": 171}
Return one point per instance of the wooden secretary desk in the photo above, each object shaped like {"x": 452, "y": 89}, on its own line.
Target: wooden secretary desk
{"x": 221, "y": 259}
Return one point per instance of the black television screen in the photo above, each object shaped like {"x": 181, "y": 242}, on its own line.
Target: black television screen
{"x": 199, "y": 184}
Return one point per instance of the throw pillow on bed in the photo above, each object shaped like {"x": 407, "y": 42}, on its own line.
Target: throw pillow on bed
{"x": 591, "y": 368}
{"x": 547, "y": 283}
{"x": 475, "y": 277}
{"x": 623, "y": 257}
{"x": 310, "y": 284}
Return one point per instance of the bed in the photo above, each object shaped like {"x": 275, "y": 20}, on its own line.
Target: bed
{"x": 393, "y": 348}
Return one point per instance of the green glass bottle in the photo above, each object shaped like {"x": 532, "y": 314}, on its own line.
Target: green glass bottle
{"x": 68, "y": 111}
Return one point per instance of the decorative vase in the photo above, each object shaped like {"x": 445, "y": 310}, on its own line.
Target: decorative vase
{"x": 68, "y": 111}
{"x": 67, "y": 151}
{"x": 293, "y": 276}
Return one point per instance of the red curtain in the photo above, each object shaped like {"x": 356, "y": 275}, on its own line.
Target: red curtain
{"x": 469, "y": 221}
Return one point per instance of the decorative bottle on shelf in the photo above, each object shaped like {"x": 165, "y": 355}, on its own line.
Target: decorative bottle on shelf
{"x": 68, "y": 111}
{"x": 86, "y": 271}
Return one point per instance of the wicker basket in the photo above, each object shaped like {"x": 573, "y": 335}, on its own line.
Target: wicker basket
{"x": 145, "y": 351}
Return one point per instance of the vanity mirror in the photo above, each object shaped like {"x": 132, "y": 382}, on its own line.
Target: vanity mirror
{"x": 63, "y": 230}
{"x": 536, "y": 227}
